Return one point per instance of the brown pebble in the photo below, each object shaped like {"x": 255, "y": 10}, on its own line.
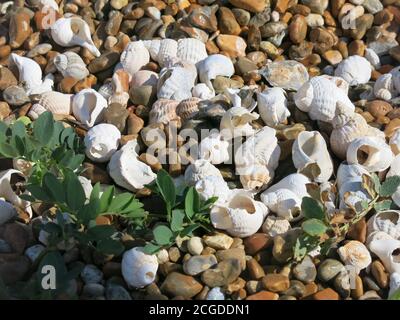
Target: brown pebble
{"x": 358, "y": 231}
{"x": 368, "y": 116}
{"x": 391, "y": 127}
{"x": 310, "y": 289}
{"x": 334, "y": 57}
{"x": 379, "y": 108}
{"x": 298, "y": 29}
{"x": 263, "y": 295}
{"x": 356, "y": 47}
{"x": 255, "y": 270}
{"x": 358, "y": 291}
{"x": 5, "y": 110}
{"x": 256, "y": 242}
{"x": 379, "y": 273}
{"x": 275, "y": 282}
{"x": 326, "y": 294}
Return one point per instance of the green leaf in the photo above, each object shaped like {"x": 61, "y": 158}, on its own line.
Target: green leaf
{"x": 151, "y": 248}
{"x": 43, "y": 127}
{"x": 166, "y": 187}
{"x": 188, "y": 231}
{"x": 314, "y": 227}
{"x": 192, "y": 202}
{"x": 27, "y": 197}
{"x": 7, "y": 150}
{"x": 311, "y": 209}
{"x": 37, "y": 192}
{"x": 54, "y": 187}
{"x": 52, "y": 227}
{"x": 177, "y": 220}
{"x": 89, "y": 211}
{"x": 19, "y": 145}
{"x": 377, "y": 183}
{"x": 106, "y": 199}
{"x": 74, "y": 191}
{"x": 110, "y": 246}
{"x": 299, "y": 251}
{"x": 389, "y": 186}
{"x": 95, "y": 194}
{"x": 208, "y": 203}
{"x": 162, "y": 235}
{"x": 119, "y": 202}
{"x": 100, "y": 232}
{"x": 395, "y": 295}
{"x": 383, "y": 205}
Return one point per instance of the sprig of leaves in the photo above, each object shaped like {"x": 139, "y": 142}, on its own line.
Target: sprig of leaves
{"x": 184, "y": 214}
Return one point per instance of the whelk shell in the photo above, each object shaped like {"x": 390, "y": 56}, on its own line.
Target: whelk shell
{"x": 213, "y": 66}
{"x": 9, "y": 188}
{"x": 70, "y": 64}
{"x": 56, "y": 102}
{"x": 284, "y": 203}
{"x": 236, "y": 122}
{"x": 212, "y": 186}
{"x": 355, "y": 70}
{"x": 214, "y": 149}
{"x": 101, "y": 141}
{"x": 272, "y": 106}
{"x": 356, "y": 255}
{"x": 188, "y": 108}
{"x": 134, "y": 57}
{"x": 200, "y": 169}
{"x": 388, "y": 252}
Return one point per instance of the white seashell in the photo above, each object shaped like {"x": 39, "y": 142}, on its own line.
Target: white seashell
{"x": 254, "y": 177}
{"x": 372, "y": 58}
{"x": 127, "y": 171}
{"x": 138, "y": 268}
{"x": 106, "y": 90}
{"x": 310, "y": 147}
{"x": 48, "y": 4}
{"x": 88, "y": 107}
{"x": 274, "y": 226}
{"x": 241, "y": 216}
{"x": 394, "y": 283}
{"x": 338, "y": 82}
{"x": 163, "y": 111}
{"x": 295, "y": 182}
{"x": 394, "y": 142}
{"x": 377, "y": 235}
{"x": 134, "y": 57}
{"x": 213, "y": 66}
{"x": 73, "y": 31}
{"x": 176, "y": 83}
{"x": 70, "y": 64}
{"x": 7, "y": 212}
{"x": 388, "y": 252}
{"x": 349, "y": 173}
{"x": 356, "y": 255}
{"x": 384, "y": 88}
{"x": 355, "y": 70}
{"x": 30, "y": 75}
{"x": 101, "y": 141}
{"x": 395, "y": 171}
{"x": 214, "y": 149}
{"x": 371, "y": 153}
{"x": 35, "y": 111}
{"x": 356, "y": 194}
{"x": 168, "y": 50}
{"x": 236, "y": 122}
{"x": 191, "y": 50}
{"x": 144, "y": 78}
{"x": 235, "y": 97}
{"x": 272, "y": 106}
{"x": 56, "y": 102}
{"x": 387, "y": 221}
{"x": 213, "y": 186}
{"x": 120, "y": 85}
{"x": 188, "y": 108}
{"x": 320, "y": 97}
{"x": 86, "y": 185}
{"x": 203, "y": 92}
{"x": 153, "y": 46}
{"x": 7, "y": 188}
{"x": 284, "y": 203}
{"x": 200, "y": 169}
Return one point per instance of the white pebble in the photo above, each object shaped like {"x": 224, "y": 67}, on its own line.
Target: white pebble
{"x": 195, "y": 246}
{"x": 34, "y": 252}
{"x": 215, "y": 294}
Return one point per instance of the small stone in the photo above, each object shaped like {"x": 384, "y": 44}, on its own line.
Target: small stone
{"x": 254, "y": 37}
{"x": 197, "y": 264}
{"x": 234, "y": 46}
{"x": 270, "y": 49}
{"x": 227, "y": 22}
{"x": 276, "y": 282}
{"x": 117, "y": 292}
{"x": 393, "y": 125}
{"x": 93, "y": 290}
{"x": 256, "y": 243}
{"x": 323, "y": 40}
{"x": 298, "y": 29}
{"x": 195, "y": 246}
{"x": 225, "y": 273}
{"x": 356, "y": 47}
{"x": 383, "y": 16}
{"x": 367, "y": 116}
{"x": 118, "y": 4}
{"x": 305, "y": 271}
{"x": 34, "y": 252}
{"x": 395, "y": 53}
{"x": 5, "y": 247}
{"x": 342, "y": 284}
{"x": 116, "y": 114}
{"x": 315, "y": 20}
{"x": 15, "y": 96}
{"x": 218, "y": 241}
{"x": 369, "y": 283}
{"x": 272, "y": 29}
{"x": 282, "y": 5}
{"x": 215, "y": 294}
{"x": 326, "y": 294}
{"x": 236, "y": 285}
{"x": 317, "y": 6}
{"x": 250, "y": 5}
{"x": 363, "y": 24}
{"x": 112, "y": 268}
{"x": 358, "y": 290}
{"x": 379, "y": 108}
{"x": 263, "y": 295}
{"x": 334, "y": 57}
{"x": 177, "y": 284}
{"x": 370, "y": 295}
{"x": 5, "y": 110}
{"x": 328, "y": 269}
{"x": 358, "y": 231}
{"x": 234, "y": 253}
{"x": 104, "y": 62}
{"x": 379, "y": 273}
{"x": 7, "y": 78}
{"x": 113, "y": 23}
{"x": 373, "y": 6}
{"x": 17, "y": 236}
{"x": 282, "y": 250}
{"x": 14, "y": 270}
{"x": 242, "y": 16}
{"x": 244, "y": 65}
{"x": 174, "y": 254}
{"x": 255, "y": 270}
{"x": 91, "y": 274}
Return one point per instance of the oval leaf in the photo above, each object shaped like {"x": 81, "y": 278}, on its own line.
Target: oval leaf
{"x": 311, "y": 209}
{"x": 43, "y": 127}
{"x": 314, "y": 227}
{"x": 162, "y": 235}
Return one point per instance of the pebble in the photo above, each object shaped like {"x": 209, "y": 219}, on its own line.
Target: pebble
{"x": 298, "y": 29}
{"x": 275, "y": 282}
{"x": 7, "y": 78}
{"x": 379, "y": 274}
{"x": 17, "y": 236}
{"x": 391, "y": 127}
{"x": 225, "y": 273}
{"x": 34, "y": 252}
{"x": 117, "y": 115}
{"x": 177, "y": 284}
{"x": 174, "y": 254}
{"x": 14, "y": 270}
{"x": 218, "y": 241}
{"x": 93, "y": 290}
{"x": 326, "y": 294}
{"x": 370, "y": 283}
{"x": 233, "y": 46}
{"x": 234, "y": 253}
{"x": 215, "y": 294}
{"x": 197, "y": 264}
{"x": 370, "y": 295}
{"x": 112, "y": 268}
{"x": 358, "y": 289}
{"x": 342, "y": 284}
{"x": 334, "y": 57}
{"x": 296, "y": 289}
{"x": 227, "y": 22}
{"x": 256, "y": 243}
{"x": 117, "y": 292}
{"x": 379, "y": 108}
{"x": 373, "y": 6}
{"x": 311, "y": 288}
{"x": 5, "y": 247}
{"x": 91, "y": 274}
{"x": 263, "y": 295}
{"x": 254, "y": 269}
{"x": 328, "y": 269}
{"x": 250, "y": 5}
{"x": 195, "y": 246}
{"x": 358, "y": 231}
{"x": 305, "y": 271}
{"x": 283, "y": 245}
{"x": 15, "y": 96}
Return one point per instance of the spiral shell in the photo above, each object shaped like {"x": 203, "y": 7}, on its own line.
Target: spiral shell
{"x": 8, "y": 191}
{"x": 70, "y": 64}
{"x": 272, "y": 106}
{"x": 236, "y": 122}
{"x": 388, "y": 252}
{"x": 213, "y": 66}
{"x": 386, "y": 221}
{"x": 213, "y": 186}
{"x": 88, "y": 107}
{"x": 101, "y": 142}
{"x": 163, "y": 111}
{"x": 56, "y": 102}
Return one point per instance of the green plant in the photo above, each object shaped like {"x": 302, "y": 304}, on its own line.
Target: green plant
{"x": 395, "y": 295}
{"x": 184, "y": 214}
{"x": 320, "y": 229}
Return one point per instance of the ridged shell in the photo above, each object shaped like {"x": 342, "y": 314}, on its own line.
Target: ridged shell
{"x": 236, "y": 122}
{"x": 176, "y": 83}
{"x": 144, "y": 78}
{"x": 338, "y": 82}
{"x": 388, "y": 252}
{"x": 106, "y": 90}
{"x": 212, "y": 186}
{"x": 138, "y": 268}
{"x": 356, "y": 255}
{"x": 310, "y": 147}
{"x": 134, "y": 57}
{"x": 56, "y": 102}
{"x": 188, "y": 108}
{"x": 213, "y": 66}
{"x": 272, "y": 106}
{"x": 191, "y": 50}
{"x": 153, "y": 46}
{"x": 88, "y": 107}
{"x": 167, "y": 51}
{"x": 355, "y": 70}
{"x": 372, "y": 153}
{"x": 101, "y": 142}
{"x": 163, "y": 111}
{"x": 70, "y": 64}
{"x": 127, "y": 171}
{"x": 35, "y": 111}
{"x": 284, "y": 203}
{"x": 200, "y": 169}
{"x": 241, "y": 216}
{"x": 320, "y": 97}
{"x": 386, "y": 221}
{"x": 274, "y": 226}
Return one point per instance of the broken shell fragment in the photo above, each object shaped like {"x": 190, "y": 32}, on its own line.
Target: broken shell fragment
{"x": 356, "y": 255}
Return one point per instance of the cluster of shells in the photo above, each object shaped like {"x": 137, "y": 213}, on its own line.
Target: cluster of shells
{"x": 309, "y": 88}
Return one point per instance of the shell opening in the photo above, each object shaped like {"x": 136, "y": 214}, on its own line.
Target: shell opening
{"x": 242, "y": 202}
{"x": 396, "y": 255}
{"x": 365, "y": 153}
{"x": 394, "y": 218}
{"x": 17, "y": 183}
{"x": 98, "y": 150}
